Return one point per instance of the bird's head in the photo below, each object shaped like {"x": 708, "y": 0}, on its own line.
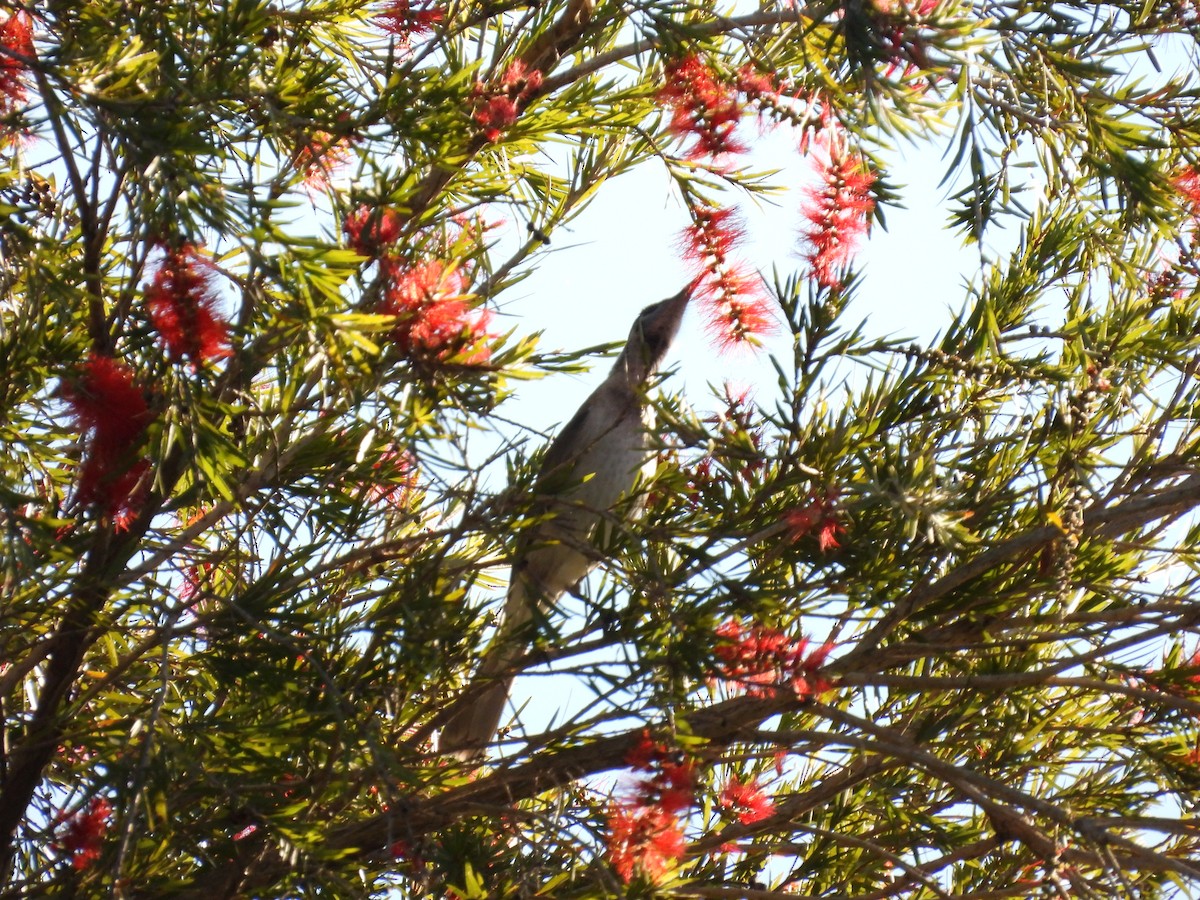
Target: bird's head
{"x": 650, "y": 338}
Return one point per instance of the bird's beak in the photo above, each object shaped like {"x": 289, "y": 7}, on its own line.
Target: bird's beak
{"x": 668, "y": 314}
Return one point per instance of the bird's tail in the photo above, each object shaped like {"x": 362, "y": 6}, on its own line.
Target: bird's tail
{"x": 477, "y": 713}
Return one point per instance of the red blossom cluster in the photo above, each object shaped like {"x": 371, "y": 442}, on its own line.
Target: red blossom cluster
{"x": 84, "y": 835}
{"x": 707, "y": 106}
{"x": 497, "y": 108}
{"x": 703, "y": 106}
{"x": 371, "y": 231}
{"x": 730, "y": 294}
{"x": 904, "y": 43}
{"x": 182, "y": 299}
{"x": 818, "y": 516}
{"x": 16, "y": 47}
{"x": 112, "y": 414}
{"x": 645, "y": 832}
{"x": 319, "y": 156}
{"x": 746, "y": 800}
{"x": 399, "y": 18}
{"x": 433, "y": 317}
{"x": 1169, "y": 281}
{"x": 765, "y": 661}
{"x": 837, "y": 208}
{"x": 1187, "y": 182}
{"x": 396, "y": 489}
{"x": 738, "y": 430}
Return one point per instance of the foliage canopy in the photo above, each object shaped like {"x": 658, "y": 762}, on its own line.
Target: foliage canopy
{"x": 928, "y": 631}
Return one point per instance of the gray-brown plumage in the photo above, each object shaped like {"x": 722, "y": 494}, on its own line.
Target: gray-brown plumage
{"x": 588, "y": 471}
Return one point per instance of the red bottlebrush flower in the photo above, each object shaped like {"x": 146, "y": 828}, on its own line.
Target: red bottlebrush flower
{"x": 646, "y": 753}
{"x": 672, "y": 784}
{"x": 318, "y": 157}
{"x": 838, "y": 210}
{"x": 16, "y": 47}
{"x": 521, "y": 80}
{"x": 702, "y": 107}
{"x": 819, "y": 516}
{"x": 807, "y": 679}
{"x": 112, "y": 413}
{"x": 763, "y": 661}
{"x": 369, "y": 231}
{"x": 496, "y": 109}
{"x": 400, "y": 18}
{"x": 183, "y": 301}
{"x": 1187, "y": 183}
{"x": 903, "y": 40}
{"x": 433, "y": 317}
{"x": 645, "y": 839}
{"x": 645, "y": 832}
{"x": 496, "y": 114}
{"x": 84, "y": 834}
{"x": 396, "y": 489}
{"x": 755, "y": 84}
{"x": 713, "y": 233}
{"x": 747, "y": 801}
{"x": 674, "y": 789}
{"x": 1194, "y": 663}
{"x": 733, "y": 298}
{"x": 193, "y": 580}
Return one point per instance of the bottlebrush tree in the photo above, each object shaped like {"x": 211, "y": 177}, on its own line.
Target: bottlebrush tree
{"x": 924, "y": 622}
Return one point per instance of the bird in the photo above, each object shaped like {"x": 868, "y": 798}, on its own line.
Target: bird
{"x": 589, "y": 472}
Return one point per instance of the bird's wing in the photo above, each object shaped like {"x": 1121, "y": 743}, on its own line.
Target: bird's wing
{"x": 571, "y": 441}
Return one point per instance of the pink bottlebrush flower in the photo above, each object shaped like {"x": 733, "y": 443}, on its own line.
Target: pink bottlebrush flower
{"x": 369, "y": 231}
{"x": 112, "y": 414}
{"x": 433, "y": 317}
{"x": 819, "y": 517}
{"x": 733, "y": 299}
{"x": 763, "y": 661}
{"x": 398, "y": 17}
{"x": 747, "y": 800}
{"x": 643, "y": 839}
{"x": 838, "y": 210}
{"x": 84, "y": 835}
{"x": 16, "y": 46}
{"x": 702, "y": 106}
{"x": 182, "y": 300}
